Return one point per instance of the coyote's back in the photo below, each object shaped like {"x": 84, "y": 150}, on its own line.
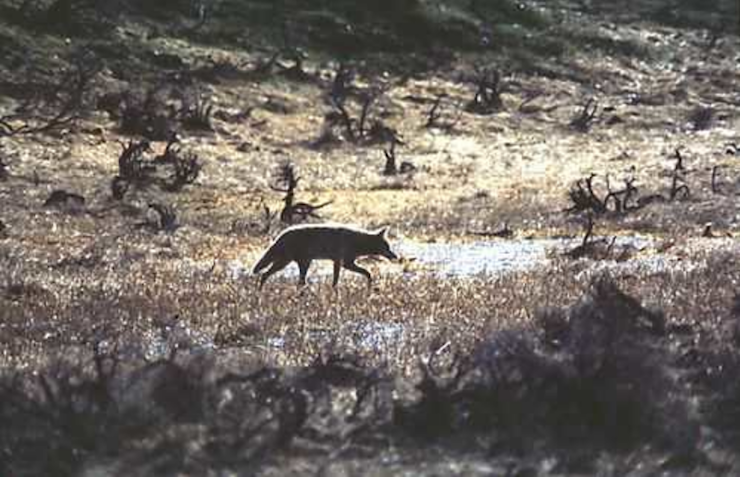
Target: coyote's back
{"x": 341, "y": 244}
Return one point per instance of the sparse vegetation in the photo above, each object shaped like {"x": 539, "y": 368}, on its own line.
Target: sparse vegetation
{"x": 287, "y": 181}
{"x": 144, "y": 164}
{"x": 586, "y": 117}
{"x": 488, "y": 90}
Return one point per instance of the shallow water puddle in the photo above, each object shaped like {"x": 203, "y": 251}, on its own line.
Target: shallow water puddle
{"x": 467, "y": 259}
{"x": 500, "y": 256}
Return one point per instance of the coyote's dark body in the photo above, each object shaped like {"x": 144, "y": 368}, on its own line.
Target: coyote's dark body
{"x": 341, "y": 244}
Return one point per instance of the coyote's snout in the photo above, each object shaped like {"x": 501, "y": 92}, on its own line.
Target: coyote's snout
{"x": 304, "y": 243}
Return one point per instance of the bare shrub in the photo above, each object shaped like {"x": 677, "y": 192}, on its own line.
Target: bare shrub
{"x": 149, "y": 115}
{"x": 679, "y": 188}
{"x": 4, "y": 173}
{"x": 60, "y": 104}
{"x": 286, "y": 181}
{"x": 701, "y": 118}
{"x": 589, "y": 247}
{"x": 196, "y": 112}
{"x": 353, "y": 119}
{"x": 585, "y": 198}
{"x": 390, "y": 167}
{"x": 434, "y": 115}
{"x": 487, "y": 98}
{"x": 586, "y": 117}
{"x": 133, "y": 166}
{"x": 148, "y": 415}
{"x": 592, "y": 374}
{"x": 167, "y": 217}
{"x": 186, "y": 166}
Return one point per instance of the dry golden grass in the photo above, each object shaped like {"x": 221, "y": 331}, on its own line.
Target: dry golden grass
{"x": 403, "y": 317}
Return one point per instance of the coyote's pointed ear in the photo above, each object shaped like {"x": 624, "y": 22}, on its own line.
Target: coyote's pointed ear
{"x": 382, "y": 232}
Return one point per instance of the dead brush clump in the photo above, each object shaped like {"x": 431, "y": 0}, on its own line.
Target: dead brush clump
{"x": 54, "y": 105}
{"x": 715, "y": 363}
{"x": 197, "y": 112}
{"x": 356, "y": 112}
{"x": 146, "y": 114}
{"x": 487, "y": 99}
{"x": 594, "y": 374}
{"x": 159, "y": 111}
{"x": 136, "y": 168}
{"x": 183, "y": 413}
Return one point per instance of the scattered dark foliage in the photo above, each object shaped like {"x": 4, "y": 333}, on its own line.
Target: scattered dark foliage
{"x": 592, "y": 376}
{"x": 68, "y": 17}
{"x": 353, "y": 119}
{"x": 55, "y": 105}
{"x": 4, "y": 174}
{"x": 167, "y": 217}
{"x": 135, "y": 168}
{"x": 701, "y": 118}
{"x": 604, "y": 375}
{"x": 286, "y": 181}
{"x": 107, "y": 406}
{"x": 148, "y": 116}
{"x": 64, "y": 200}
{"x": 196, "y": 113}
{"x": 132, "y": 164}
{"x": 185, "y": 166}
{"x": 487, "y": 97}
{"x": 586, "y": 117}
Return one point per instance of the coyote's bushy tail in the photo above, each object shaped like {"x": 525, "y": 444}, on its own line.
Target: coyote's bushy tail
{"x": 267, "y": 258}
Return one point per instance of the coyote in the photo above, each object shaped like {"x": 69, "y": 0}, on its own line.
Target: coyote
{"x": 304, "y": 243}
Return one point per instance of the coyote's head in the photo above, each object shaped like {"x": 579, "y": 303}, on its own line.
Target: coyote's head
{"x": 381, "y": 245}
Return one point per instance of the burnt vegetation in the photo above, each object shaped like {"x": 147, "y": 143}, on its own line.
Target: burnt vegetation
{"x": 606, "y": 200}
{"x": 139, "y": 168}
{"x": 599, "y": 375}
{"x": 50, "y": 105}
{"x": 488, "y": 89}
{"x": 353, "y": 116}
{"x": 586, "y": 117}
{"x": 286, "y": 181}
